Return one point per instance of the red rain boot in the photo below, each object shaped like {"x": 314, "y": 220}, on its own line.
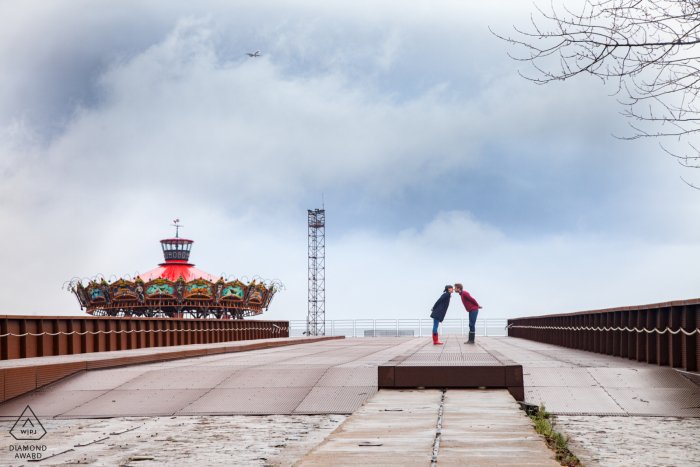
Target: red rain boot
{"x": 435, "y": 339}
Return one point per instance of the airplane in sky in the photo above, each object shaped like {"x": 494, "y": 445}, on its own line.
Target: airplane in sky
{"x": 256, "y": 54}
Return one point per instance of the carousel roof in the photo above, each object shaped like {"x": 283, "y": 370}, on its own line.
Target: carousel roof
{"x": 174, "y": 269}
{"x": 177, "y": 254}
{"x": 148, "y": 296}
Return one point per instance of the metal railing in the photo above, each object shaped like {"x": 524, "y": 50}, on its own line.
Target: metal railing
{"x": 402, "y": 327}
{"x": 660, "y": 333}
{"x": 44, "y": 336}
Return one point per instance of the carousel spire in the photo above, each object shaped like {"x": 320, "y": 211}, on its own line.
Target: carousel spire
{"x": 177, "y": 227}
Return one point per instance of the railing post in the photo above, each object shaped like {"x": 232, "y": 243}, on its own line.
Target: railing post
{"x": 641, "y": 354}
{"x": 624, "y": 335}
{"x": 674, "y": 341}
{"x": 663, "y": 342}
{"x": 652, "y": 338}
{"x": 632, "y": 336}
{"x": 690, "y": 321}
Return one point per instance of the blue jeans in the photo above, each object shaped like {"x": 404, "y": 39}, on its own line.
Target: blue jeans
{"x": 472, "y": 320}
{"x": 436, "y": 323}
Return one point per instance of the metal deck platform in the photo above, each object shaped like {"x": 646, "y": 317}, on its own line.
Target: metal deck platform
{"x": 453, "y": 365}
{"x": 338, "y": 376}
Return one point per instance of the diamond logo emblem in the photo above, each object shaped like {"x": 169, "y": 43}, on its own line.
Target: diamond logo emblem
{"x": 28, "y": 427}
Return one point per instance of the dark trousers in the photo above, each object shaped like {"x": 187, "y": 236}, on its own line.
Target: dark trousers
{"x": 472, "y": 320}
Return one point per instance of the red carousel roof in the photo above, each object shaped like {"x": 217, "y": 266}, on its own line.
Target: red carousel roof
{"x": 177, "y": 254}
{"x": 174, "y": 269}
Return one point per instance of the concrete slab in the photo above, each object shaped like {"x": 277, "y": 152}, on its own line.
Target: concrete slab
{"x": 395, "y": 427}
{"x": 487, "y": 428}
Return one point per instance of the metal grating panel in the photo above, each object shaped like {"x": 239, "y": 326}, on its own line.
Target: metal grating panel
{"x": 178, "y": 378}
{"x": 438, "y": 364}
{"x": 340, "y": 400}
{"x": 640, "y": 378}
{"x": 249, "y": 401}
{"x": 561, "y": 377}
{"x": 658, "y": 401}
{"x": 694, "y": 377}
{"x": 117, "y": 403}
{"x": 290, "y": 366}
{"x": 273, "y": 378}
{"x": 349, "y": 377}
{"x": 573, "y": 401}
{"x": 98, "y": 380}
{"x": 46, "y": 374}
{"x": 247, "y": 378}
{"x": 47, "y": 403}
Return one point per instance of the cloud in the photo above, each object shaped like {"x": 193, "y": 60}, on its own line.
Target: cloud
{"x": 177, "y": 111}
{"x": 453, "y": 230}
{"x": 437, "y": 162}
{"x": 401, "y": 277}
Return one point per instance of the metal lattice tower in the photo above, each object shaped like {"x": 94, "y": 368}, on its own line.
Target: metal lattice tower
{"x": 316, "y": 321}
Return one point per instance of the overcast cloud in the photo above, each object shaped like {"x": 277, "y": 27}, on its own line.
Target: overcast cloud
{"x": 437, "y": 162}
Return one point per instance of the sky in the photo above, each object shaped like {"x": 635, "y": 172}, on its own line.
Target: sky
{"x": 436, "y": 161}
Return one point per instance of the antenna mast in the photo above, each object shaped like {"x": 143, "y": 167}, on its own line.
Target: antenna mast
{"x": 316, "y": 321}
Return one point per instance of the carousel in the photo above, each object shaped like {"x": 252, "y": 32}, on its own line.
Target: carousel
{"x": 175, "y": 289}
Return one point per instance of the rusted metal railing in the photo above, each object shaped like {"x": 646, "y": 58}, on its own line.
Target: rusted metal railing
{"x": 42, "y": 336}
{"x": 661, "y": 333}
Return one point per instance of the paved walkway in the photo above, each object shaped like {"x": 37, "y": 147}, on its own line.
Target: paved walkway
{"x": 22, "y": 375}
{"x": 338, "y": 376}
{"x": 400, "y": 427}
{"x": 481, "y": 427}
{"x": 334, "y": 376}
{"x": 576, "y": 382}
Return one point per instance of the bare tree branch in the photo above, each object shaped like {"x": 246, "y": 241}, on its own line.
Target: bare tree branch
{"x": 648, "y": 46}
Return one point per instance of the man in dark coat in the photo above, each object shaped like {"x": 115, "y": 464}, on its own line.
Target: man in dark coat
{"x": 439, "y": 310}
{"x": 472, "y": 306}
